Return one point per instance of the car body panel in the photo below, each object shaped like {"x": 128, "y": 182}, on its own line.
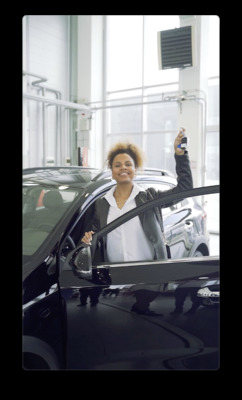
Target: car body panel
{"x": 90, "y": 191}
{"x": 120, "y": 316}
{"x": 123, "y": 339}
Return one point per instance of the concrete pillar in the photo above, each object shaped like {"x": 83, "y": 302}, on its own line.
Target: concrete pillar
{"x": 90, "y": 83}
{"x": 193, "y": 84}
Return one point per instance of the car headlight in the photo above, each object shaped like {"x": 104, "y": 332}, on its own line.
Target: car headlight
{"x": 206, "y": 292}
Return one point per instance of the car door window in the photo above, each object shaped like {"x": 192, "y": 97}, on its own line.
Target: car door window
{"x": 174, "y": 218}
{"x": 185, "y": 230}
{"x": 160, "y": 186}
{"x": 43, "y": 209}
{"x": 196, "y": 248}
{"x": 176, "y": 236}
{"x": 186, "y": 222}
{"x": 83, "y": 223}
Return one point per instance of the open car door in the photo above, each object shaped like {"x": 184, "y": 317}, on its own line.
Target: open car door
{"x": 160, "y": 314}
{"x": 81, "y": 264}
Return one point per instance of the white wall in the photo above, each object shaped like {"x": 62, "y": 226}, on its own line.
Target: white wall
{"x": 45, "y": 53}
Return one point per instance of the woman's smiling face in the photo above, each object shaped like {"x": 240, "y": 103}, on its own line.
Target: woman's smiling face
{"x": 123, "y": 168}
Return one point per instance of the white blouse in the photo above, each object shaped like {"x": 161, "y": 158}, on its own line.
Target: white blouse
{"x": 127, "y": 242}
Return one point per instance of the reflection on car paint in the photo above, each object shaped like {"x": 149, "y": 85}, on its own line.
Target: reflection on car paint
{"x": 143, "y": 315}
{"x": 154, "y": 304}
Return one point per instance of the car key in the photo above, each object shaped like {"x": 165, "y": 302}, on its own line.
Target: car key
{"x": 184, "y": 143}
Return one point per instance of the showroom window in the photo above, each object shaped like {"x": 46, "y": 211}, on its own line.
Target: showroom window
{"x": 124, "y": 42}
{"x": 140, "y": 98}
{"x": 137, "y": 92}
{"x": 133, "y": 38}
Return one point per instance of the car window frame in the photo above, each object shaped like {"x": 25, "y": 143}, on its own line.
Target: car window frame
{"x": 75, "y": 271}
{"x": 103, "y": 189}
{"x": 157, "y": 202}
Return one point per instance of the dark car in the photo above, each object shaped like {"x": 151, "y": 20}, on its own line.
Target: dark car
{"x": 82, "y": 313}
{"x": 52, "y": 194}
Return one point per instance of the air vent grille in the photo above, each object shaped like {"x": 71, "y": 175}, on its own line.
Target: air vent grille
{"x": 175, "y": 48}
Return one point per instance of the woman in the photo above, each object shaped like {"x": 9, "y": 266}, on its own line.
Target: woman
{"x": 141, "y": 237}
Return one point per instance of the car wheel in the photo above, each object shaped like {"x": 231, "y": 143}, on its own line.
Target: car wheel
{"x": 198, "y": 254}
{"x": 34, "y": 361}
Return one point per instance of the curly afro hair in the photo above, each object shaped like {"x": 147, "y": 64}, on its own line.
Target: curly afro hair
{"x": 129, "y": 148}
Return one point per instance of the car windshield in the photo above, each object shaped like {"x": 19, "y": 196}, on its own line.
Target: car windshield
{"x": 47, "y": 195}
{"x": 43, "y": 207}
{"x": 60, "y": 174}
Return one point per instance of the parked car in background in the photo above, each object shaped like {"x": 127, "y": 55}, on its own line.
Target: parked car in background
{"x": 69, "y": 321}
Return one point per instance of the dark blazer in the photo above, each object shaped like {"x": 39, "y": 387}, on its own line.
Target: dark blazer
{"x": 148, "y": 219}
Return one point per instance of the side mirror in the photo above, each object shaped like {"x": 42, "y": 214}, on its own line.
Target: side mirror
{"x": 80, "y": 261}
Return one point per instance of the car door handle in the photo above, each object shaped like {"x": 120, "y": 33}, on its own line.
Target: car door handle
{"x": 45, "y": 313}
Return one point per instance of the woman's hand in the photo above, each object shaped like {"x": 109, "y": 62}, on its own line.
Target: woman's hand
{"x": 178, "y": 140}
{"x": 87, "y": 238}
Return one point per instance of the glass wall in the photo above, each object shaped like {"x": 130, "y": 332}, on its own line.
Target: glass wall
{"x": 124, "y": 51}
{"x": 133, "y": 77}
{"x": 141, "y": 99}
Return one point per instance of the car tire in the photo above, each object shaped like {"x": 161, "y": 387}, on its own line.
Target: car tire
{"x": 198, "y": 253}
{"x": 37, "y": 354}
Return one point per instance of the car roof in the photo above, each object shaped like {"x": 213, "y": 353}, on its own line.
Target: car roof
{"x": 144, "y": 172}
{"x": 82, "y": 176}
{"x": 73, "y": 176}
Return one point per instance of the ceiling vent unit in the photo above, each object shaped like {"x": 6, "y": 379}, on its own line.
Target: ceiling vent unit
{"x": 176, "y": 48}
